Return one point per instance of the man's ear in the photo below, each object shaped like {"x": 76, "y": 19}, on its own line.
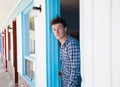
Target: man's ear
{"x": 65, "y": 29}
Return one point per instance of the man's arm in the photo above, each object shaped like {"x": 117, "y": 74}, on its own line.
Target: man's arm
{"x": 74, "y": 55}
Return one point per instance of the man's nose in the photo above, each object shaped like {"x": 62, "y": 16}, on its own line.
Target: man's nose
{"x": 57, "y": 31}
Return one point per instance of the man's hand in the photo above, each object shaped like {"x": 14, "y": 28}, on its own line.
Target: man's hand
{"x": 60, "y": 74}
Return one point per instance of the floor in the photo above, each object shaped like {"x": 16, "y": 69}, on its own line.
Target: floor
{"x": 5, "y": 77}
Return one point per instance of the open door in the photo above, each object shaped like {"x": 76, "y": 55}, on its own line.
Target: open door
{"x": 15, "y": 52}
{"x": 69, "y": 10}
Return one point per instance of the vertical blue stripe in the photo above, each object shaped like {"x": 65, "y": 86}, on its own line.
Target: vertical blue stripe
{"x": 25, "y": 40}
{"x": 52, "y": 53}
{"x": 25, "y": 34}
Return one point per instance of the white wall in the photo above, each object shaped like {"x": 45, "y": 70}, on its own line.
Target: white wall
{"x": 6, "y": 43}
{"x": 99, "y": 38}
{"x": 40, "y": 45}
{"x": 86, "y": 42}
{"x": 115, "y": 43}
{"x": 101, "y": 43}
{"x": 19, "y": 43}
{"x": 11, "y": 43}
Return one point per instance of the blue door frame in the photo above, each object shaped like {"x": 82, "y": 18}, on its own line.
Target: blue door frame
{"x": 52, "y": 54}
{"x": 25, "y": 41}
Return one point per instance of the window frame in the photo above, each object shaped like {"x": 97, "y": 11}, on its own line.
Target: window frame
{"x": 26, "y": 43}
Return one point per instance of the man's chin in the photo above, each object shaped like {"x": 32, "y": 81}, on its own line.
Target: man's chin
{"x": 58, "y": 38}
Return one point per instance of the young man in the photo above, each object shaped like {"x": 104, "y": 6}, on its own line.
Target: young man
{"x": 69, "y": 54}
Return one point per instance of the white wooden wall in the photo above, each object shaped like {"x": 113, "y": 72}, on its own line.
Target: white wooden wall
{"x": 100, "y": 43}
{"x": 40, "y": 45}
{"x": 11, "y": 43}
{"x": 19, "y": 44}
{"x": 115, "y": 43}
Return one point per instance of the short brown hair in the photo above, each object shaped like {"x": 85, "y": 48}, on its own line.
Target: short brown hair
{"x": 59, "y": 20}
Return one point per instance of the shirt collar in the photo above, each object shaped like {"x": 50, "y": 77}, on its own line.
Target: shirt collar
{"x": 66, "y": 41}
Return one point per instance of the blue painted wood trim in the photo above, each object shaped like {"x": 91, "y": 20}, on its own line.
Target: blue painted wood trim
{"x": 30, "y": 58}
{"x": 25, "y": 41}
{"x": 52, "y": 53}
{"x": 32, "y": 84}
{"x": 25, "y": 34}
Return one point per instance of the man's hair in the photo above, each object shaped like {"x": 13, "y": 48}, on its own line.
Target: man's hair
{"x": 59, "y": 20}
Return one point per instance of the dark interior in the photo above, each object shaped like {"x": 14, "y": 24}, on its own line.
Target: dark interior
{"x": 70, "y": 12}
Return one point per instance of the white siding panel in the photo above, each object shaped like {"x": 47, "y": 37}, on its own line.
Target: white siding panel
{"x": 101, "y": 44}
{"x": 86, "y": 43}
{"x": 115, "y": 43}
{"x": 6, "y": 43}
{"x": 95, "y": 31}
{"x": 11, "y": 43}
{"x": 19, "y": 44}
{"x": 40, "y": 35}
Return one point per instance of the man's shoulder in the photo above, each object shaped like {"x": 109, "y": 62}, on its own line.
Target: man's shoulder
{"x": 73, "y": 41}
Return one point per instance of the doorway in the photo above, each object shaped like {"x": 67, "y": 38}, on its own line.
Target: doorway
{"x": 69, "y": 10}
{"x": 15, "y": 52}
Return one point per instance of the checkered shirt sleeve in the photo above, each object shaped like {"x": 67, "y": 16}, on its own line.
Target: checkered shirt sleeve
{"x": 70, "y": 62}
{"x": 74, "y": 56}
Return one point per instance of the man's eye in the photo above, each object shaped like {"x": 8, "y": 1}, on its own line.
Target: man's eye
{"x": 54, "y": 29}
{"x": 60, "y": 28}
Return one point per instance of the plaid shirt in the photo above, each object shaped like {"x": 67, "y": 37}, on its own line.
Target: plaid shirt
{"x": 70, "y": 62}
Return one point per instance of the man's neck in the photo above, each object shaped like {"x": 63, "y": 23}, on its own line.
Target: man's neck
{"x": 62, "y": 40}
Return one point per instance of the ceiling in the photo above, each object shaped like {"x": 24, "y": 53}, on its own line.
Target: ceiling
{"x": 6, "y": 8}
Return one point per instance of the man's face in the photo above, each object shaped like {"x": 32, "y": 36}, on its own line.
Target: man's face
{"x": 59, "y": 31}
